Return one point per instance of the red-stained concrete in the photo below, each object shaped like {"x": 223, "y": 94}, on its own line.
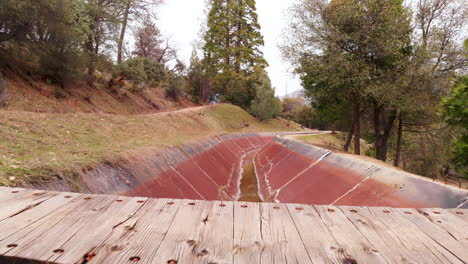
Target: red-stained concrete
{"x": 287, "y": 172}
{"x": 212, "y": 174}
{"x": 287, "y": 176}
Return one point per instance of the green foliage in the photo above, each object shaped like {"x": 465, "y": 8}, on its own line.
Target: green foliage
{"x": 134, "y": 69}
{"x": 233, "y": 38}
{"x": 155, "y": 71}
{"x": 195, "y": 78}
{"x": 140, "y": 69}
{"x": 236, "y": 89}
{"x": 232, "y": 50}
{"x": 265, "y": 105}
{"x": 175, "y": 89}
{"x": 46, "y": 35}
{"x": 455, "y": 109}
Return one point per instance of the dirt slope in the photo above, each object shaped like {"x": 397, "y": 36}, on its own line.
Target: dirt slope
{"x": 26, "y": 93}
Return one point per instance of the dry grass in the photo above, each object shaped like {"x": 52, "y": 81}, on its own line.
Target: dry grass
{"x": 333, "y": 142}
{"x": 21, "y": 91}
{"x": 34, "y": 146}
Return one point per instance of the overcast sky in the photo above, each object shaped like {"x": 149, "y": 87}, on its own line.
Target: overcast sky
{"x": 180, "y": 20}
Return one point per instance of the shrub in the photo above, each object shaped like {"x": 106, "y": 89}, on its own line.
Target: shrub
{"x": 265, "y": 105}
{"x": 155, "y": 71}
{"x": 175, "y": 88}
{"x": 134, "y": 69}
{"x": 139, "y": 69}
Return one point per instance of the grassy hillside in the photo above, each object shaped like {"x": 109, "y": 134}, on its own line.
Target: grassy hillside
{"x": 36, "y": 146}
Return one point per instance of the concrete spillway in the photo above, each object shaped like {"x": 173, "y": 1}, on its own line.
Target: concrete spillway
{"x": 287, "y": 171}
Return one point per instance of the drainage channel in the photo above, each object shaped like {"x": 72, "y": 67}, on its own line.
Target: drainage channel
{"x": 249, "y": 185}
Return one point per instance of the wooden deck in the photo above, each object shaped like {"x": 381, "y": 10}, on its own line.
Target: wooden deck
{"x": 54, "y": 227}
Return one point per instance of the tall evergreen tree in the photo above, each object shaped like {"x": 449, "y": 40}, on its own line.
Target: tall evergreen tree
{"x": 233, "y": 39}
{"x": 232, "y": 49}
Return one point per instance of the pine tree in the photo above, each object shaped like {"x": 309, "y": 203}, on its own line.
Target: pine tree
{"x": 233, "y": 39}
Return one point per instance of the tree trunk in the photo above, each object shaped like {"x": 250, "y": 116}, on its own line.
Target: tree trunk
{"x": 399, "y": 140}
{"x": 349, "y": 137}
{"x": 239, "y": 40}
{"x": 228, "y": 35}
{"x": 382, "y": 129}
{"x": 91, "y": 62}
{"x": 122, "y": 31}
{"x": 357, "y": 129}
{"x": 92, "y": 49}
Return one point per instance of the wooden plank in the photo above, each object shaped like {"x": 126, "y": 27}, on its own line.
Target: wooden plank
{"x": 202, "y": 232}
{"x": 452, "y": 222}
{"x": 460, "y": 213}
{"x": 283, "y": 244}
{"x": 412, "y": 234}
{"x": 359, "y": 248}
{"x": 441, "y": 228}
{"x": 388, "y": 243}
{"x": 9, "y": 193}
{"x": 140, "y": 237}
{"x": 319, "y": 242}
{"x": 24, "y": 201}
{"x": 49, "y": 234}
{"x": 248, "y": 237}
{"x": 13, "y": 226}
{"x": 119, "y": 211}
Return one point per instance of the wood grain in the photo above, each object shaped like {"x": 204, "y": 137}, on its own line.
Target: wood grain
{"x": 53, "y": 227}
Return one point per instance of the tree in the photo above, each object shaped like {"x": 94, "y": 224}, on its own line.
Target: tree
{"x": 149, "y": 43}
{"x": 44, "y": 37}
{"x": 350, "y": 50}
{"x": 455, "y": 110}
{"x": 265, "y": 105}
{"x": 292, "y": 106}
{"x": 437, "y": 56}
{"x": 133, "y": 9}
{"x": 104, "y": 18}
{"x": 60, "y": 56}
{"x": 232, "y": 43}
{"x": 196, "y": 79}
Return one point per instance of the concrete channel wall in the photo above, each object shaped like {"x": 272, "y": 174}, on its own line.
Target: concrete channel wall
{"x": 292, "y": 172}
{"x": 208, "y": 170}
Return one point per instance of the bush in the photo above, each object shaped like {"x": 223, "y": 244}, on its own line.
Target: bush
{"x": 265, "y": 105}
{"x": 155, "y": 71}
{"x": 134, "y": 69}
{"x": 237, "y": 91}
{"x": 60, "y": 65}
{"x": 175, "y": 88}
{"x": 139, "y": 69}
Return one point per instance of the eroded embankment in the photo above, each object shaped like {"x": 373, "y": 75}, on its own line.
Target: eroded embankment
{"x": 292, "y": 172}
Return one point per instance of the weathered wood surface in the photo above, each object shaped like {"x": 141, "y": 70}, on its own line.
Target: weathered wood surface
{"x": 53, "y": 227}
